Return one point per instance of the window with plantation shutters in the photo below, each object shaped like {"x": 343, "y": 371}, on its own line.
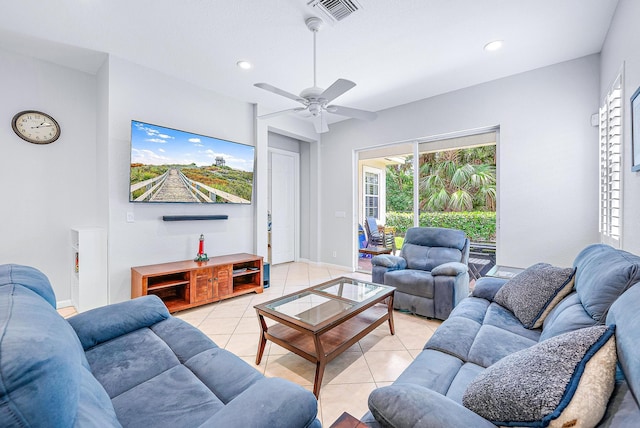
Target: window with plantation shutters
{"x": 611, "y": 166}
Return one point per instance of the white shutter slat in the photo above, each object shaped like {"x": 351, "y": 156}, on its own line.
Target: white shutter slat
{"x": 610, "y": 161}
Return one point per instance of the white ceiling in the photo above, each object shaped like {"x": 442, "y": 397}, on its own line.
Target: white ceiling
{"x": 397, "y": 51}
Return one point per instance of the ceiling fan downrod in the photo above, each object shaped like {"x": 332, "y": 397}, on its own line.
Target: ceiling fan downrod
{"x": 314, "y": 24}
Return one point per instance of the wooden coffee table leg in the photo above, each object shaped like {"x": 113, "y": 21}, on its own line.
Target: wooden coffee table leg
{"x": 390, "y": 309}
{"x": 317, "y": 383}
{"x": 320, "y": 365}
{"x": 263, "y": 339}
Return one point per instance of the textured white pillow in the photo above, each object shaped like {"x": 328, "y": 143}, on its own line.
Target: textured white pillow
{"x": 566, "y": 380}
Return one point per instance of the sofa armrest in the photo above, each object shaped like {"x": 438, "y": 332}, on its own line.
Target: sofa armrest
{"x": 450, "y": 286}
{"x": 108, "y": 322}
{"x": 409, "y": 405}
{"x": 450, "y": 269}
{"x": 270, "y": 402}
{"x": 384, "y": 263}
{"x": 487, "y": 287}
{"x": 389, "y": 261}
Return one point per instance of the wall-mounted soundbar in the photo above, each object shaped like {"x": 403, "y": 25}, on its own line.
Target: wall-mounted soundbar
{"x": 193, "y": 217}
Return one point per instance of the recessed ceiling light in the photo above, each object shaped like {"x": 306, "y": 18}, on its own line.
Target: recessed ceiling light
{"x": 493, "y": 46}
{"x": 245, "y": 65}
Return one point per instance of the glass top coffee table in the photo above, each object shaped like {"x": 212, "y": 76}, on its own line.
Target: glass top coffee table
{"x": 321, "y": 322}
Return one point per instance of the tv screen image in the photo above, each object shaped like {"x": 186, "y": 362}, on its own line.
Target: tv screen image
{"x": 169, "y": 165}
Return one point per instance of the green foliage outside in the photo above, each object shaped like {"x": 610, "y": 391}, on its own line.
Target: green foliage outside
{"x": 234, "y": 181}
{"x": 449, "y": 180}
{"x": 457, "y": 190}
{"x": 400, "y": 186}
{"x": 140, "y": 172}
{"x": 458, "y": 180}
{"x": 480, "y": 226}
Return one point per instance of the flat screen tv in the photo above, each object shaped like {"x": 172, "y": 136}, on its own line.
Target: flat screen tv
{"x": 168, "y": 165}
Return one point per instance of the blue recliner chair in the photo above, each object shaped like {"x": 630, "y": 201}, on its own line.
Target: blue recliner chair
{"x": 430, "y": 275}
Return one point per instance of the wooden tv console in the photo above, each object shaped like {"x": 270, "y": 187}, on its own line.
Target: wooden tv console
{"x": 186, "y": 284}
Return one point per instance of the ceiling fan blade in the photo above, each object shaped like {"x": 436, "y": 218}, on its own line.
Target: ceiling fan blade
{"x": 320, "y": 124}
{"x": 352, "y": 112}
{"x": 278, "y": 113}
{"x": 338, "y": 88}
{"x": 280, "y": 92}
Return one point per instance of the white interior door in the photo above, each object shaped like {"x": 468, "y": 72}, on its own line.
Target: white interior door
{"x": 284, "y": 200}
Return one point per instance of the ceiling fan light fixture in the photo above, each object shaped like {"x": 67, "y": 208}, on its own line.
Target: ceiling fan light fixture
{"x": 493, "y": 45}
{"x": 244, "y": 64}
{"x": 315, "y": 99}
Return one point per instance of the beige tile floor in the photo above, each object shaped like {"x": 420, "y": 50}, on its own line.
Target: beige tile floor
{"x": 374, "y": 361}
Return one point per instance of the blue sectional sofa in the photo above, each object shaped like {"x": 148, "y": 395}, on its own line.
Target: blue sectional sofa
{"x": 126, "y": 364}
{"x": 483, "y": 353}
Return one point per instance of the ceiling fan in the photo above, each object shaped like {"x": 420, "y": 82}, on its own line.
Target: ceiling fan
{"x": 316, "y": 100}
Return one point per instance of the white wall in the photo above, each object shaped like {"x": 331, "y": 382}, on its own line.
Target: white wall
{"x": 82, "y": 179}
{"x": 547, "y": 159}
{"x": 623, "y": 46}
{"x": 46, "y": 189}
{"x": 143, "y": 94}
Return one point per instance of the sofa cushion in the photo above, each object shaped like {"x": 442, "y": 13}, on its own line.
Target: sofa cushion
{"x": 28, "y": 277}
{"x": 414, "y": 282}
{"x": 118, "y": 319}
{"x": 162, "y": 401}
{"x": 390, "y": 262}
{"x": 533, "y": 293}
{"x": 567, "y": 379}
{"x": 625, "y": 314}
{"x": 467, "y": 373}
{"x": 184, "y": 340}
{"x": 223, "y": 373}
{"x": 568, "y": 315}
{"x": 455, "y": 336}
{"x": 95, "y": 409}
{"x": 487, "y": 287}
{"x": 264, "y": 401}
{"x": 603, "y": 274}
{"x": 129, "y": 360}
{"x": 431, "y": 369}
{"x": 449, "y": 269}
{"x": 504, "y": 319}
{"x": 44, "y": 380}
{"x": 494, "y": 343}
{"x": 426, "y": 258}
{"x": 427, "y": 247}
{"x": 410, "y": 405}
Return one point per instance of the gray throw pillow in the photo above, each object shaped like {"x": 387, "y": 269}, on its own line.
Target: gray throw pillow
{"x": 532, "y": 294}
{"x": 563, "y": 381}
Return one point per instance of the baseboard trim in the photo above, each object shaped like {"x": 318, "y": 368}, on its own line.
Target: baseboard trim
{"x": 63, "y": 304}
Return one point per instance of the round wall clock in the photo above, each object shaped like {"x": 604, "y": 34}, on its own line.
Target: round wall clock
{"x": 35, "y": 127}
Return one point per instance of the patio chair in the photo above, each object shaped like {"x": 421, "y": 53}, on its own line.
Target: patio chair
{"x": 374, "y": 237}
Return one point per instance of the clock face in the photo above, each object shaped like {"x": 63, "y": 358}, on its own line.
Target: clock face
{"x": 36, "y": 127}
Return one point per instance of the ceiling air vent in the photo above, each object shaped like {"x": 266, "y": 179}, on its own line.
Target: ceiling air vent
{"x": 336, "y": 9}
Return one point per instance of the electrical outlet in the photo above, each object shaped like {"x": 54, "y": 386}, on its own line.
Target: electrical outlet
{"x": 130, "y": 217}
{"x": 335, "y": 254}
